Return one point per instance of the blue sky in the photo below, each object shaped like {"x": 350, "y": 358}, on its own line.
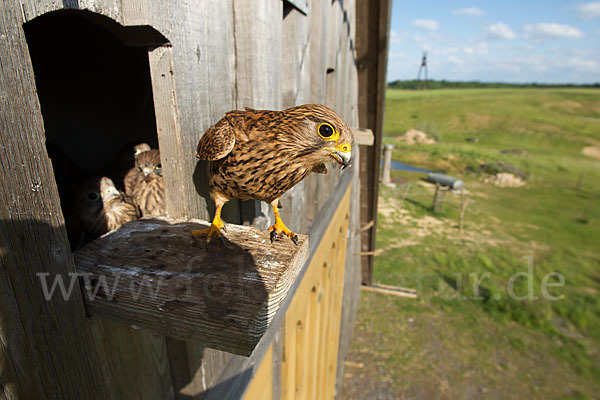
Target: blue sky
{"x": 497, "y": 41}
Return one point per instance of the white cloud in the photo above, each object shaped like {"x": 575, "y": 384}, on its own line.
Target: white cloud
{"x": 589, "y": 10}
{"x": 455, "y": 60}
{"x": 500, "y": 31}
{"x": 397, "y": 38}
{"x": 585, "y": 65}
{"x": 478, "y": 49}
{"x": 469, "y": 11}
{"x": 544, "y": 30}
{"x": 429, "y": 24}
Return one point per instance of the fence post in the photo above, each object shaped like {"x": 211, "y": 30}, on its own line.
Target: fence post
{"x": 387, "y": 164}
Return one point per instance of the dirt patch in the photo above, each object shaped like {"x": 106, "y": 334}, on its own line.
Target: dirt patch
{"x": 412, "y": 230}
{"x": 565, "y": 105}
{"x": 592, "y": 151}
{"x": 414, "y": 136}
{"x": 505, "y": 180}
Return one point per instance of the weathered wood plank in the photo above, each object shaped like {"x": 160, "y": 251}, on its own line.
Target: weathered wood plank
{"x": 169, "y": 132}
{"x": 363, "y": 137}
{"x": 153, "y": 274}
{"x": 46, "y": 349}
{"x": 135, "y": 362}
{"x": 372, "y": 35}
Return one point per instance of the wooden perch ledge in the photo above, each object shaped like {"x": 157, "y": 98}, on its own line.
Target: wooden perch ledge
{"x": 152, "y": 274}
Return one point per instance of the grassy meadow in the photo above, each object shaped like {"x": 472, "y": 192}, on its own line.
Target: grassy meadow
{"x": 509, "y": 307}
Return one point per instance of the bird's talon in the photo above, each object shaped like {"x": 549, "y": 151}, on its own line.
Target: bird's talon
{"x": 273, "y": 235}
{"x": 222, "y": 241}
{"x": 295, "y": 239}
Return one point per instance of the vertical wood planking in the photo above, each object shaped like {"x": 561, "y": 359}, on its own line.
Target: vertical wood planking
{"x": 169, "y": 132}
{"x": 261, "y": 387}
{"x": 135, "y": 362}
{"x": 312, "y": 327}
{"x": 46, "y": 348}
{"x": 372, "y": 34}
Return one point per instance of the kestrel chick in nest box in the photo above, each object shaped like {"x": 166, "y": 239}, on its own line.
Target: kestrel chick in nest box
{"x": 260, "y": 155}
{"x": 133, "y": 175}
{"x": 98, "y": 207}
{"x": 148, "y": 188}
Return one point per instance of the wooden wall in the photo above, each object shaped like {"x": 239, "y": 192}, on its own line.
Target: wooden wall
{"x": 221, "y": 55}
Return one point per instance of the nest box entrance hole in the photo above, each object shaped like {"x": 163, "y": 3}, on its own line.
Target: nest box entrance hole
{"x": 95, "y": 90}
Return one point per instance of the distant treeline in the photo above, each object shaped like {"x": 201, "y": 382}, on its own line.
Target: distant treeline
{"x": 443, "y": 84}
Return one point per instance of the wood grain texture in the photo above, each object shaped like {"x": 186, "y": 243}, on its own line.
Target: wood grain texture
{"x": 204, "y": 77}
{"x": 46, "y": 349}
{"x": 169, "y": 132}
{"x": 151, "y": 273}
{"x": 352, "y": 279}
{"x": 372, "y": 36}
{"x": 135, "y": 362}
{"x": 363, "y": 137}
{"x": 261, "y": 387}
{"x": 312, "y": 321}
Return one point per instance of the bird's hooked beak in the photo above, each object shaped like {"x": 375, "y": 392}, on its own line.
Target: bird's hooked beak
{"x": 342, "y": 153}
{"x": 147, "y": 171}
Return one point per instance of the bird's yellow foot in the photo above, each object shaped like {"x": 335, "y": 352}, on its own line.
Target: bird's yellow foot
{"x": 213, "y": 230}
{"x": 280, "y": 229}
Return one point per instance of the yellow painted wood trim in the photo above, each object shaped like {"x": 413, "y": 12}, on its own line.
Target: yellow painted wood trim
{"x": 261, "y": 387}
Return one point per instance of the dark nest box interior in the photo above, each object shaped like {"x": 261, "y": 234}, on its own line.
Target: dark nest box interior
{"x": 94, "y": 86}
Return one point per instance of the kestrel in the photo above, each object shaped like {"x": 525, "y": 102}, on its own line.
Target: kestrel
{"x": 98, "y": 207}
{"x": 148, "y": 188}
{"x": 261, "y": 154}
{"x": 133, "y": 175}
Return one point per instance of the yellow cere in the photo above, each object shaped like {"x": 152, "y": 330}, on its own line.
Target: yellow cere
{"x": 344, "y": 148}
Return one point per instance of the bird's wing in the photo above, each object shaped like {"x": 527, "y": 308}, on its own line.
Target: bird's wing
{"x": 217, "y": 141}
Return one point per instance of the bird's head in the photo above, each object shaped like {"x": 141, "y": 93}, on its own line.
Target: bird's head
{"x": 108, "y": 189}
{"x": 148, "y": 163}
{"x": 140, "y": 148}
{"x": 326, "y": 134}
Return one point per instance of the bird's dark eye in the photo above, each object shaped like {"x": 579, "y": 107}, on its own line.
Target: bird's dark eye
{"x": 93, "y": 196}
{"x": 159, "y": 166}
{"x": 326, "y": 131}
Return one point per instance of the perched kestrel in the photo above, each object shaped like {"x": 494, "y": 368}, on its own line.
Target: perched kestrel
{"x": 261, "y": 154}
{"x": 98, "y": 208}
{"x": 148, "y": 189}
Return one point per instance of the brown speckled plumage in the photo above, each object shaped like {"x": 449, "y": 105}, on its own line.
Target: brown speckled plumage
{"x": 146, "y": 184}
{"x": 260, "y": 154}
{"x": 98, "y": 207}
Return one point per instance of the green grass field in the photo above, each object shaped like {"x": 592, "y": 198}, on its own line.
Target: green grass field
{"x": 477, "y": 330}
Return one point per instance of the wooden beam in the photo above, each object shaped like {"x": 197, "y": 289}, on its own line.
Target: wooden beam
{"x": 372, "y": 37}
{"x": 363, "y": 136}
{"x": 391, "y": 290}
{"x": 153, "y": 274}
